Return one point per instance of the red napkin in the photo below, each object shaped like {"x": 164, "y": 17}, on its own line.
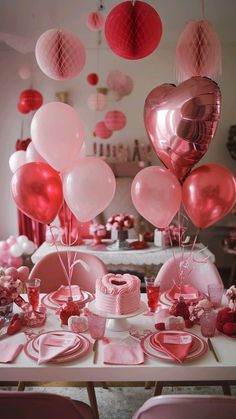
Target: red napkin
{"x": 123, "y": 353}
{"x": 188, "y": 292}
{"x": 176, "y": 345}
{"x": 51, "y": 345}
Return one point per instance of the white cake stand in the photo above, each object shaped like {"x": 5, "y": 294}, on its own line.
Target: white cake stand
{"x": 117, "y": 322}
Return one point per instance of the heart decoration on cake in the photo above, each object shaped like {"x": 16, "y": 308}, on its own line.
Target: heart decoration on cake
{"x": 181, "y": 122}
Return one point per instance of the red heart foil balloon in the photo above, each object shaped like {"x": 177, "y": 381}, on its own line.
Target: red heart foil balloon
{"x": 181, "y": 122}
{"x": 37, "y": 191}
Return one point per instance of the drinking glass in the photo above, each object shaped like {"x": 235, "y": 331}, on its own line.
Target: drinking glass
{"x": 33, "y": 291}
{"x": 215, "y": 293}
{"x": 208, "y": 323}
{"x": 153, "y": 293}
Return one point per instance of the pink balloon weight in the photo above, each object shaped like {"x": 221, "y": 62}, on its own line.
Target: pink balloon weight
{"x": 181, "y": 122}
{"x": 209, "y": 193}
{"x": 156, "y": 194}
{"x": 37, "y": 191}
{"x": 60, "y": 54}
{"x": 57, "y": 134}
{"x": 89, "y": 188}
{"x": 17, "y": 159}
{"x": 32, "y": 155}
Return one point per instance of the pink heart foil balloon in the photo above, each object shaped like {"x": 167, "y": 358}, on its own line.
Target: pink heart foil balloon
{"x": 181, "y": 122}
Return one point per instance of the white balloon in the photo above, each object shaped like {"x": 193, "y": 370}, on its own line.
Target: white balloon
{"x": 22, "y": 239}
{"x": 16, "y": 250}
{"x": 32, "y": 155}
{"x": 16, "y": 160}
{"x": 28, "y": 247}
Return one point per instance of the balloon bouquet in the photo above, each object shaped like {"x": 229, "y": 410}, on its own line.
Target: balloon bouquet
{"x": 58, "y": 172}
{"x": 181, "y": 123}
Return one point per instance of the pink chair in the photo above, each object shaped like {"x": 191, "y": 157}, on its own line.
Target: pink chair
{"x": 28, "y": 405}
{"x": 190, "y": 406}
{"x": 199, "y": 273}
{"x": 52, "y": 275}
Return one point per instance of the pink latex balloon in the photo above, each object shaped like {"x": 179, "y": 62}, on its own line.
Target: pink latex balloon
{"x": 23, "y": 273}
{"x": 10, "y": 241}
{"x": 57, "y": 134}
{"x": 156, "y": 194}
{"x": 37, "y": 191}
{"x": 4, "y": 245}
{"x": 32, "y": 155}
{"x": 60, "y": 54}
{"x": 181, "y": 122}
{"x": 209, "y": 193}
{"x": 17, "y": 159}
{"x": 89, "y": 188}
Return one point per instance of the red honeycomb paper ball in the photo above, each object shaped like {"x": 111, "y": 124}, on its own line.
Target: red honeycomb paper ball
{"x": 31, "y": 99}
{"x": 102, "y": 131}
{"x": 115, "y": 120}
{"x": 60, "y": 54}
{"x": 133, "y": 30}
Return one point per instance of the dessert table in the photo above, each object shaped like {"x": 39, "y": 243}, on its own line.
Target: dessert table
{"x": 123, "y": 259}
{"x": 204, "y": 368}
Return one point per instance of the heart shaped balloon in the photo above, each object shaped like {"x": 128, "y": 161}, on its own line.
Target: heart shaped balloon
{"x": 181, "y": 122}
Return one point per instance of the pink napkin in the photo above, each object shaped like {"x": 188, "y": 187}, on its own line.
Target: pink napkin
{"x": 51, "y": 345}
{"x": 61, "y": 294}
{"x": 9, "y": 351}
{"x": 176, "y": 345}
{"x": 188, "y": 292}
{"x": 123, "y": 353}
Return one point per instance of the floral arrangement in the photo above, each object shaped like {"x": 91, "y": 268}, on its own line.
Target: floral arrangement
{"x": 231, "y": 295}
{"x": 196, "y": 310}
{"x": 96, "y": 229}
{"x": 230, "y": 240}
{"x": 120, "y": 222}
{"x": 174, "y": 235}
{"x": 10, "y": 287}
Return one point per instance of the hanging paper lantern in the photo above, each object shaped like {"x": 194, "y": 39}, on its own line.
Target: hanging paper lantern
{"x": 24, "y": 72}
{"x": 95, "y": 21}
{"x": 115, "y": 120}
{"x": 126, "y": 88}
{"x": 31, "y": 99}
{"x": 60, "y": 54}
{"x": 198, "y": 51}
{"x": 115, "y": 79}
{"x": 97, "y": 102}
{"x": 133, "y": 29}
{"x": 92, "y": 79}
{"x": 102, "y": 131}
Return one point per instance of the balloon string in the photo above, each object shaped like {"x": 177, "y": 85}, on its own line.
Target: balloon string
{"x": 59, "y": 256}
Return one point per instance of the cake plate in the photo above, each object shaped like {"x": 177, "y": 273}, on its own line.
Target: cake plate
{"x": 117, "y": 322}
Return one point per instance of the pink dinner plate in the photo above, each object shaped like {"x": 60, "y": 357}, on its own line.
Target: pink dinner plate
{"x": 46, "y": 301}
{"x": 171, "y": 295}
{"x": 148, "y": 349}
{"x": 35, "y": 343}
{"x": 81, "y": 351}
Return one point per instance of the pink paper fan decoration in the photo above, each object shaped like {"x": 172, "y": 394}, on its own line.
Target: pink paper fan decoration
{"x": 115, "y": 120}
{"x": 95, "y": 21}
{"x": 97, "y": 101}
{"x": 198, "y": 51}
{"x": 133, "y": 29}
{"x": 60, "y": 54}
{"x": 102, "y": 131}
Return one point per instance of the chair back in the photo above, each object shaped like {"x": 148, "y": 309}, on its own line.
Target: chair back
{"x": 196, "y": 271}
{"x": 49, "y": 269}
{"x": 188, "y": 406}
{"x": 29, "y": 405}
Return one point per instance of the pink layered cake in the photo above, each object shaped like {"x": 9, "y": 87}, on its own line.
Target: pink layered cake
{"x": 118, "y": 294}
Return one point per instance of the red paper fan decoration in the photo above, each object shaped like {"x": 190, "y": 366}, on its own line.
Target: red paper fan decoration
{"x": 92, "y": 79}
{"x": 102, "y": 131}
{"x": 115, "y": 120}
{"x": 133, "y": 30}
{"x": 31, "y": 99}
{"x": 97, "y": 102}
{"x": 95, "y": 21}
{"x": 198, "y": 51}
{"x": 60, "y": 54}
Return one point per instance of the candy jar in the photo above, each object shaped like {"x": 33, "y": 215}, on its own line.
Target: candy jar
{"x": 71, "y": 308}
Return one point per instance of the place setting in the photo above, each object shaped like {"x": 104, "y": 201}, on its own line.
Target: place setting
{"x": 56, "y": 299}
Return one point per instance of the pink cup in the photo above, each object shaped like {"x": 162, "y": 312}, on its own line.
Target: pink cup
{"x": 96, "y": 325}
{"x": 215, "y": 294}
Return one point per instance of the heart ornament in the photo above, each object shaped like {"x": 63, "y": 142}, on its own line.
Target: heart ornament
{"x": 181, "y": 122}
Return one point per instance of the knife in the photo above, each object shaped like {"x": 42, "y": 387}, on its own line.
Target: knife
{"x": 95, "y": 351}
{"x": 211, "y": 347}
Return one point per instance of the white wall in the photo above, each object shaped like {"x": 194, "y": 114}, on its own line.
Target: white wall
{"x": 147, "y": 74}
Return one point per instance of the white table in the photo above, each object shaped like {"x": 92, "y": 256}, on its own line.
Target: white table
{"x": 204, "y": 368}
{"x": 121, "y": 259}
